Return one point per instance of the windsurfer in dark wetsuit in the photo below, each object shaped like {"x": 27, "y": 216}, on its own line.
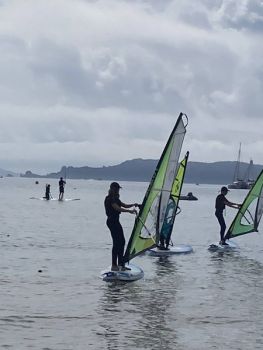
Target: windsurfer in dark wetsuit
{"x": 220, "y": 205}
{"x": 114, "y": 207}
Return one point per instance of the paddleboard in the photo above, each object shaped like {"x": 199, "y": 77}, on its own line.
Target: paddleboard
{"x": 176, "y": 249}
{"x": 134, "y": 274}
{"x": 55, "y": 199}
{"x": 219, "y": 247}
{"x": 44, "y": 199}
{"x": 68, "y": 199}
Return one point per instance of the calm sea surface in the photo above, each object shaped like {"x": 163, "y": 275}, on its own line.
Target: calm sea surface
{"x": 197, "y": 301}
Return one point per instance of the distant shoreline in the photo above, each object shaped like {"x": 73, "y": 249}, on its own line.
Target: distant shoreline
{"x": 141, "y": 170}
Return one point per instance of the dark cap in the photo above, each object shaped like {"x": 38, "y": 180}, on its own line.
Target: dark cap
{"x": 115, "y": 185}
{"x": 224, "y": 189}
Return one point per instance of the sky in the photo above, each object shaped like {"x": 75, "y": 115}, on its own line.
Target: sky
{"x": 97, "y": 82}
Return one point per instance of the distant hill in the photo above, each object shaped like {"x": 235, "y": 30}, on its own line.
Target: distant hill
{"x": 142, "y": 170}
{"x": 8, "y": 173}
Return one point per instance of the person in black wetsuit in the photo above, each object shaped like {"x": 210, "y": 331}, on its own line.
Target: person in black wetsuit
{"x": 47, "y": 192}
{"x": 114, "y": 207}
{"x": 61, "y": 185}
{"x": 220, "y": 205}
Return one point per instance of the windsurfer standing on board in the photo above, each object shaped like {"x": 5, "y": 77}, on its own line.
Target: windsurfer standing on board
{"x": 114, "y": 207}
{"x": 220, "y": 205}
{"x": 61, "y": 185}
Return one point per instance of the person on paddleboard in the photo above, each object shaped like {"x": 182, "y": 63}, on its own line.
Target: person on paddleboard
{"x": 61, "y": 185}
{"x": 114, "y": 207}
{"x": 47, "y": 192}
{"x": 220, "y": 205}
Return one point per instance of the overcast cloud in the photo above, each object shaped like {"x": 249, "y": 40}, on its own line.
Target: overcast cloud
{"x": 98, "y": 82}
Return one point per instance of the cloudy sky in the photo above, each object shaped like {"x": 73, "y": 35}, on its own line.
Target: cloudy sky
{"x": 96, "y": 82}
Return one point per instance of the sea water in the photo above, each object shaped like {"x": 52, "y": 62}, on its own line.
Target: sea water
{"x": 53, "y": 299}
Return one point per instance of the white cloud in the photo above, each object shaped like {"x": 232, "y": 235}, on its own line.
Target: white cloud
{"x": 98, "y": 82}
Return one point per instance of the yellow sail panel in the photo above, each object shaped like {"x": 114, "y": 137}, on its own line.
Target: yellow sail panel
{"x": 179, "y": 179}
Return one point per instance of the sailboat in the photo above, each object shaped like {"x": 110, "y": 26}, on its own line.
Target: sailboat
{"x": 239, "y": 182}
{"x": 248, "y": 216}
{"x": 150, "y": 219}
{"x": 172, "y": 211}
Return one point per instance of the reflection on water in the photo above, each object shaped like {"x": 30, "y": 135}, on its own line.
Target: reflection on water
{"x": 242, "y": 270}
{"x": 140, "y": 313}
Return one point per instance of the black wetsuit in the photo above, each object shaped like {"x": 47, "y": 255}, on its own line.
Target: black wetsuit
{"x": 61, "y": 184}
{"x": 47, "y": 195}
{"x": 116, "y": 230}
{"x": 220, "y": 206}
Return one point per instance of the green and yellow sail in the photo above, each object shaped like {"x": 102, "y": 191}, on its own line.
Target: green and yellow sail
{"x": 149, "y": 222}
{"x": 249, "y": 215}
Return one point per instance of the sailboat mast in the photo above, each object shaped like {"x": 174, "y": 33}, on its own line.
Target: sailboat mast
{"x": 237, "y": 170}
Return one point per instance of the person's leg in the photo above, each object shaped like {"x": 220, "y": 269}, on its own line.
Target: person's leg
{"x": 61, "y": 194}
{"x": 120, "y": 244}
{"x": 161, "y": 241}
{"x": 167, "y": 242}
{"x": 114, "y": 252}
{"x": 222, "y": 224}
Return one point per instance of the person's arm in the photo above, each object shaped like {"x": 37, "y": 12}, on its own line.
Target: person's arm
{"x": 231, "y": 204}
{"x": 123, "y": 210}
{"x": 124, "y": 205}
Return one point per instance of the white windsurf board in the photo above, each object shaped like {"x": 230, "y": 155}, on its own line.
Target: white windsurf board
{"x": 176, "y": 249}
{"x": 135, "y": 273}
{"x": 221, "y": 247}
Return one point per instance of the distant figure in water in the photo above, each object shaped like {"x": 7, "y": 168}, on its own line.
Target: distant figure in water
{"x": 61, "y": 184}
{"x": 114, "y": 207}
{"x": 220, "y": 205}
{"x": 47, "y": 193}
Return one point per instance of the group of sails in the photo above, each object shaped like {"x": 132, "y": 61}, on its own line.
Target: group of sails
{"x": 154, "y": 223}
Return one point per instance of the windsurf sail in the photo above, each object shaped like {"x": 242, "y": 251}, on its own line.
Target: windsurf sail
{"x": 149, "y": 222}
{"x": 173, "y": 204}
{"x": 249, "y": 215}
